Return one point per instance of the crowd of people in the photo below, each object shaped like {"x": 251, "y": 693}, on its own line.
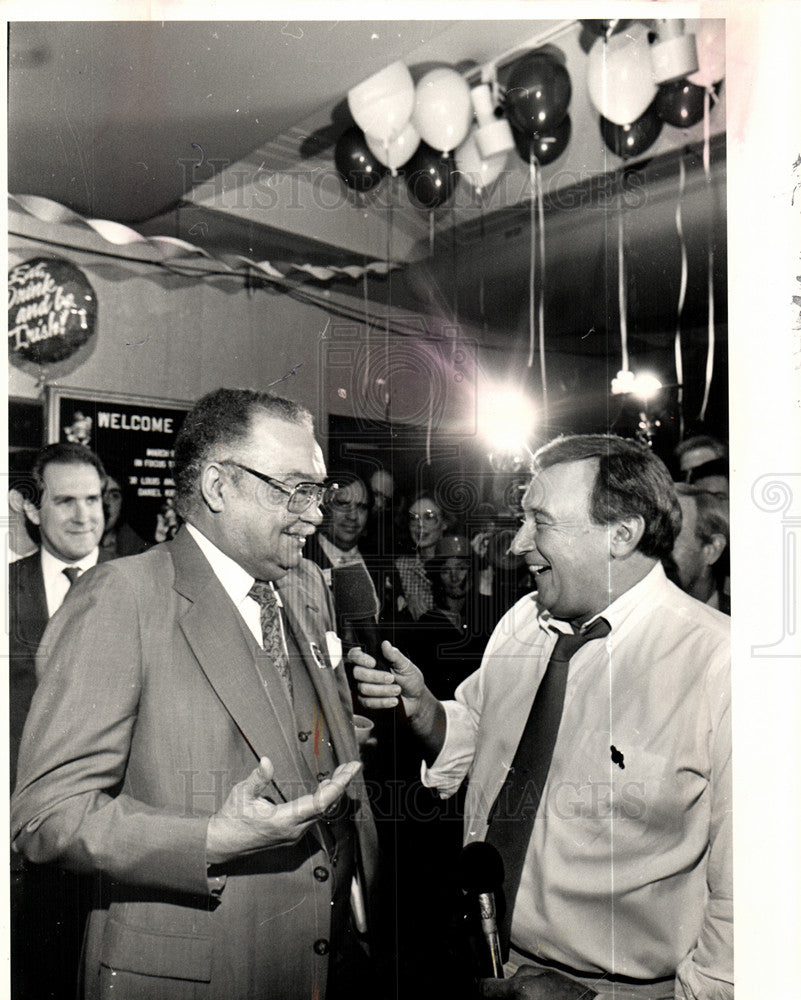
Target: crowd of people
{"x": 194, "y": 814}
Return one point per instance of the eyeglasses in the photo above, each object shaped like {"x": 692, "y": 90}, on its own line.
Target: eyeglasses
{"x": 301, "y": 495}
{"x": 427, "y": 515}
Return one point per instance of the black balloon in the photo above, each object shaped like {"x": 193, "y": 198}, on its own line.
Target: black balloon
{"x": 602, "y": 27}
{"x": 537, "y": 94}
{"x": 680, "y": 103}
{"x": 357, "y": 166}
{"x": 546, "y": 148}
{"x": 431, "y": 177}
{"x": 626, "y": 141}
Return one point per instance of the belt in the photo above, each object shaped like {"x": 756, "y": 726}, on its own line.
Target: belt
{"x": 607, "y": 977}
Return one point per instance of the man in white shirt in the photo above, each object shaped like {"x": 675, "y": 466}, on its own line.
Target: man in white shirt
{"x": 624, "y": 886}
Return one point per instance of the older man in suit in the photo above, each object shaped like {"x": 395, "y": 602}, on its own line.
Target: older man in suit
{"x": 191, "y": 741}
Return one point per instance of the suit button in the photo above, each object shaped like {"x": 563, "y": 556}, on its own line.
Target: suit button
{"x": 303, "y": 737}
{"x": 321, "y": 874}
{"x": 322, "y": 775}
{"x": 321, "y": 946}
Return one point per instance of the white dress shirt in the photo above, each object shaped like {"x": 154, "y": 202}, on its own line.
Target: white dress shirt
{"x": 628, "y": 869}
{"x": 236, "y": 582}
{"x": 56, "y": 583}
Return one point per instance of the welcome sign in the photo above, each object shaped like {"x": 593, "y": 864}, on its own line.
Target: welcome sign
{"x": 52, "y": 310}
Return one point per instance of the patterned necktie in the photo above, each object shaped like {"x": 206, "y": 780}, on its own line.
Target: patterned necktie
{"x": 513, "y": 813}
{"x": 72, "y": 573}
{"x": 272, "y": 639}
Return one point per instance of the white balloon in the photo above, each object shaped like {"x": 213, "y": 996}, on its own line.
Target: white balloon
{"x": 710, "y": 40}
{"x": 474, "y": 168}
{"x": 443, "y": 109}
{"x": 382, "y": 104}
{"x": 398, "y": 151}
{"x": 619, "y": 75}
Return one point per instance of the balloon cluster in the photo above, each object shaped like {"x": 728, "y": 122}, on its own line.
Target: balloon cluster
{"x": 632, "y": 105}
{"x": 428, "y": 129}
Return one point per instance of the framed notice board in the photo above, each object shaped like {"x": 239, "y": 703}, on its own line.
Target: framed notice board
{"x": 134, "y": 437}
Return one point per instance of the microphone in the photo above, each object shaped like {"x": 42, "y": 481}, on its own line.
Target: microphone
{"x": 357, "y": 608}
{"x": 481, "y": 873}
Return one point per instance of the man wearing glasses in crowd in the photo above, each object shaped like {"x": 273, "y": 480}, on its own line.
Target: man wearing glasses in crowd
{"x": 191, "y": 740}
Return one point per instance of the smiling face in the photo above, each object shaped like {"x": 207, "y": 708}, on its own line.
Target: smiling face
{"x": 251, "y": 522}
{"x": 348, "y": 515}
{"x": 566, "y": 551}
{"x": 70, "y": 516}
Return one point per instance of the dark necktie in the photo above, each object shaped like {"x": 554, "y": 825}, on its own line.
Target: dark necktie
{"x": 272, "y": 640}
{"x": 72, "y": 573}
{"x": 513, "y": 813}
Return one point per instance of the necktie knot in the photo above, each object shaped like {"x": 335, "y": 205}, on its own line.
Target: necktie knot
{"x": 272, "y": 637}
{"x": 568, "y": 643}
{"x": 72, "y": 573}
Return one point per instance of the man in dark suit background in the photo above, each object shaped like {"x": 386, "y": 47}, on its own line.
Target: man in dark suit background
{"x": 192, "y": 731}
{"x": 62, "y": 499}
{"x": 65, "y": 504}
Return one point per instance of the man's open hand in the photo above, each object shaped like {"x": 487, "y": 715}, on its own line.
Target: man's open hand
{"x": 250, "y": 819}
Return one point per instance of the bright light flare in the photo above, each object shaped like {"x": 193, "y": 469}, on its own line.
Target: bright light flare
{"x": 506, "y": 418}
{"x": 645, "y": 385}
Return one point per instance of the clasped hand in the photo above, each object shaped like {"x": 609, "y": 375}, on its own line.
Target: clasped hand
{"x": 250, "y": 821}
{"x": 380, "y": 688}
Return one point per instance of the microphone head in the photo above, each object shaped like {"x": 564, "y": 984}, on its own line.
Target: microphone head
{"x": 480, "y": 867}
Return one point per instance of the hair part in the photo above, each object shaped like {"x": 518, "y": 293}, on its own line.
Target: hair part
{"x": 222, "y": 417}
{"x": 631, "y": 481}
{"x": 62, "y": 453}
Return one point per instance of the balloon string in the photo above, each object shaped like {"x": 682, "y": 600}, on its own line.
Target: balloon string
{"x": 389, "y": 309}
{"x": 532, "y": 260}
{"x": 366, "y": 369}
{"x": 710, "y": 352}
{"x": 541, "y": 218}
{"x": 621, "y": 287}
{"x": 682, "y": 294}
{"x": 454, "y": 264}
{"x": 431, "y": 232}
{"x": 429, "y": 424}
{"x": 481, "y": 311}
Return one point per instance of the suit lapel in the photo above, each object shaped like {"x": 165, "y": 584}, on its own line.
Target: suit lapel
{"x": 306, "y": 619}
{"x": 31, "y": 601}
{"x": 217, "y": 637}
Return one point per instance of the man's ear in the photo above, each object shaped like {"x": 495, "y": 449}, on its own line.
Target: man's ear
{"x": 32, "y": 512}
{"x": 212, "y": 486}
{"x": 625, "y": 536}
{"x": 714, "y": 549}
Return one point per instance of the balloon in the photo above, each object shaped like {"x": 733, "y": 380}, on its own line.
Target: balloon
{"x": 634, "y": 138}
{"x": 357, "y": 166}
{"x": 680, "y": 103}
{"x": 619, "y": 75}
{"x": 431, "y": 177}
{"x": 475, "y": 169}
{"x": 710, "y": 40}
{"x": 382, "y": 104}
{"x": 442, "y": 109}
{"x": 546, "y": 148}
{"x": 397, "y": 152}
{"x": 603, "y": 27}
{"x": 537, "y": 94}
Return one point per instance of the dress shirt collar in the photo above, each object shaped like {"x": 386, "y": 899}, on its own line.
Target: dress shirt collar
{"x": 339, "y": 557}
{"x": 52, "y": 565}
{"x": 618, "y": 611}
{"x": 236, "y": 581}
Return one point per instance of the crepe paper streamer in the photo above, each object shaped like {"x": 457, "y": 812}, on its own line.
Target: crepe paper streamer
{"x": 176, "y": 253}
{"x": 541, "y": 216}
{"x": 682, "y": 294}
